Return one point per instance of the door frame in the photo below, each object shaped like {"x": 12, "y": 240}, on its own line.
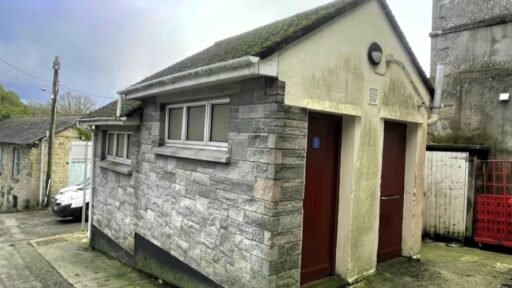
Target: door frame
{"x": 339, "y": 121}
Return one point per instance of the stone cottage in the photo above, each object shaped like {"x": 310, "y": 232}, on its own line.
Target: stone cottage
{"x": 472, "y": 39}
{"x": 275, "y": 158}
{"x": 21, "y": 140}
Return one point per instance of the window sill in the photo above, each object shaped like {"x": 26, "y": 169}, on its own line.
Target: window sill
{"x": 118, "y": 167}
{"x": 197, "y": 153}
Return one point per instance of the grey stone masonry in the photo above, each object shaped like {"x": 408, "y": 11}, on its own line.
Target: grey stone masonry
{"x": 238, "y": 223}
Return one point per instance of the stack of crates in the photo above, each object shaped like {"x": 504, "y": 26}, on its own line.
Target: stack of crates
{"x": 493, "y": 210}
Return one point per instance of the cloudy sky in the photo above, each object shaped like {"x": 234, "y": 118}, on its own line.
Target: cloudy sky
{"x": 107, "y": 45}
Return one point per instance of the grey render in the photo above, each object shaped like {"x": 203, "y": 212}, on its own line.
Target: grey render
{"x": 473, "y": 39}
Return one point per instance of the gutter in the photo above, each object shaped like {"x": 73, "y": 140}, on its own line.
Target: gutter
{"x": 109, "y": 121}
{"x": 241, "y": 68}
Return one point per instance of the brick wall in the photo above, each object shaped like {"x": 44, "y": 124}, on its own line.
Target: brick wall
{"x": 238, "y": 223}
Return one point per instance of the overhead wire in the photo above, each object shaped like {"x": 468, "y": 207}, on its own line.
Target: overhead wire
{"x": 49, "y": 82}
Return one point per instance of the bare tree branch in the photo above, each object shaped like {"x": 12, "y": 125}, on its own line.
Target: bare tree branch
{"x": 69, "y": 103}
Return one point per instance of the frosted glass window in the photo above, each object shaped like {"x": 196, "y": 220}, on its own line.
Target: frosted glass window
{"x": 175, "y": 123}
{"x": 120, "y": 145}
{"x": 195, "y": 123}
{"x": 110, "y": 142}
{"x": 220, "y": 121}
{"x": 128, "y": 138}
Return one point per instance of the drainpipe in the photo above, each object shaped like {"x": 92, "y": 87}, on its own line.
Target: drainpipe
{"x": 436, "y": 102}
{"x": 119, "y": 105}
{"x": 93, "y": 182}
{"x": 41, "y": 172}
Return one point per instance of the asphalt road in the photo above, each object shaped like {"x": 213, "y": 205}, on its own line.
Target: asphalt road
{"x": 20, "y": 264}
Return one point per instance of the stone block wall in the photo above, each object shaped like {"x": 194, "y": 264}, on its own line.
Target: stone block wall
{"x": 26, "y": 185}
{"x": 240, "y": 223}
{"x": 19, "y": 186}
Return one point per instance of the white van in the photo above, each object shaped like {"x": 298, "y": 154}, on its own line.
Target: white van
{"x": 69, "y": 202}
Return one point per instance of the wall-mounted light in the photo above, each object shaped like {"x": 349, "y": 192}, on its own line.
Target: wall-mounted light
{"x": 375, "y": 54}
{"x": 504, "y": 97}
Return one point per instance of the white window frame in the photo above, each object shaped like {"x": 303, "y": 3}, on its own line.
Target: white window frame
{"x": 114, "y": 157}
{"x": 16, "y": 166}
{"x": 208, "y": 104}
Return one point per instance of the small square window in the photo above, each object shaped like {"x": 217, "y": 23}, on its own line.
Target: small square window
{"x": 199, "y": 123}
{"x": 118, "y": 146}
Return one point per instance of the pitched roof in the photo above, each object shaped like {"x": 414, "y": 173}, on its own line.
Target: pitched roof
{"x": 31, "y": 129}
{"x": 266, "y": 40}
{"x": 109, "y": 110}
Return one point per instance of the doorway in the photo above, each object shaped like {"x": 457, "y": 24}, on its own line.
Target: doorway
{"x": 321, "y": 197}
{"x": 392, "y": 191}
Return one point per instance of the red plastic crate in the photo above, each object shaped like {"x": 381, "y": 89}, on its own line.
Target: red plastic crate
{"x": 494, "y": 220}
{"x": 493, "y": 207}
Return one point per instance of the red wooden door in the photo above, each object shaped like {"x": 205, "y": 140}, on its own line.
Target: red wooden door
{"x": 392, "y": 191}
{"x": 320, "y": 199}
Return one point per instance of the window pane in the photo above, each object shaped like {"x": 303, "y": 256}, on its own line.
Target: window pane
{"x": 110, "y": 148}
{"x": 175, "y": 123}
{"x": 220, "y": 120}
{"x": 128, "y": 138}
{"x": 120, "y": 145}
{"x": 195, "y": 123}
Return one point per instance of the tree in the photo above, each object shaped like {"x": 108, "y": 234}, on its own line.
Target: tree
{"x": 69, "y": 103}
{"x": 11, "y": 105}
{"x": 39, "y": 109}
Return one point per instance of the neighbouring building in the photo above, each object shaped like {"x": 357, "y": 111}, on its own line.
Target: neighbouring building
{"x": 278, "y": 157}
{"x": 472, "y": 39}
{"x": 21, "y": 140}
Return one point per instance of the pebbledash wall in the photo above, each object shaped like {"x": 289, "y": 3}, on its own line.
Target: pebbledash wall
{"x": 25, "y": 187}
{"x": 239, "y": 223}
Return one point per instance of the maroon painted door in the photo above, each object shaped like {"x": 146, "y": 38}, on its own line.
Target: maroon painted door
{"x": 320, "y": 199}
{"x": 392, "y": 191}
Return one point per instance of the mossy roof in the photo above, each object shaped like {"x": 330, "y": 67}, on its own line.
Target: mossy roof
{"x": 109, "y": 110}
{"x": 266, "y": 40}
{"x": 27, "y": 130}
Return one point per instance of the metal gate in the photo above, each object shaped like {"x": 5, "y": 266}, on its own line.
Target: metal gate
{"x": 446, "y": 190}
{"x": 77, "y": 162}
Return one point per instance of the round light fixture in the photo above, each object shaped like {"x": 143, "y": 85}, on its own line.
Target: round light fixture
{"x": 375, "y": 54}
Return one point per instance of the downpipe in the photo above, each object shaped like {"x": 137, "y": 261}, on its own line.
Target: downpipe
{"x": 436, "y": 102}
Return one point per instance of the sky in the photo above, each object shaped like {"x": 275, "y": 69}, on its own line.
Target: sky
{"x": 105, "y": 46}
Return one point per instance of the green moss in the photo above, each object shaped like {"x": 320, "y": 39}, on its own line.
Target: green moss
{"x": 474, "y": 139}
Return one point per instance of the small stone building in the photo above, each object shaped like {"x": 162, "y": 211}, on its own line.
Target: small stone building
{"x": 20, "y": 159}
{"x": 472, "y": 38}
{"x": 275, "y": 158}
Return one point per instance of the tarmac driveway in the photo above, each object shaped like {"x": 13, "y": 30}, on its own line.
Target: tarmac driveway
{"x": 20, "y": 264}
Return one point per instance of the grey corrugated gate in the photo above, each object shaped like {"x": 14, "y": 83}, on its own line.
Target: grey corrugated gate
{"x": 77, "y": 162}
{"x": 446, "y": 190}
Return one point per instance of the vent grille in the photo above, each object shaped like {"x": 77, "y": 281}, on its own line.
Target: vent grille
{"x": 373, "y": 96}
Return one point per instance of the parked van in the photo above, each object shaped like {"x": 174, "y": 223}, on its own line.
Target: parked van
{"x": 69, "y": 201}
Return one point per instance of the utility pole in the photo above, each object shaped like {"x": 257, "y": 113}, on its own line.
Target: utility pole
{"x": 55, "y": 92}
